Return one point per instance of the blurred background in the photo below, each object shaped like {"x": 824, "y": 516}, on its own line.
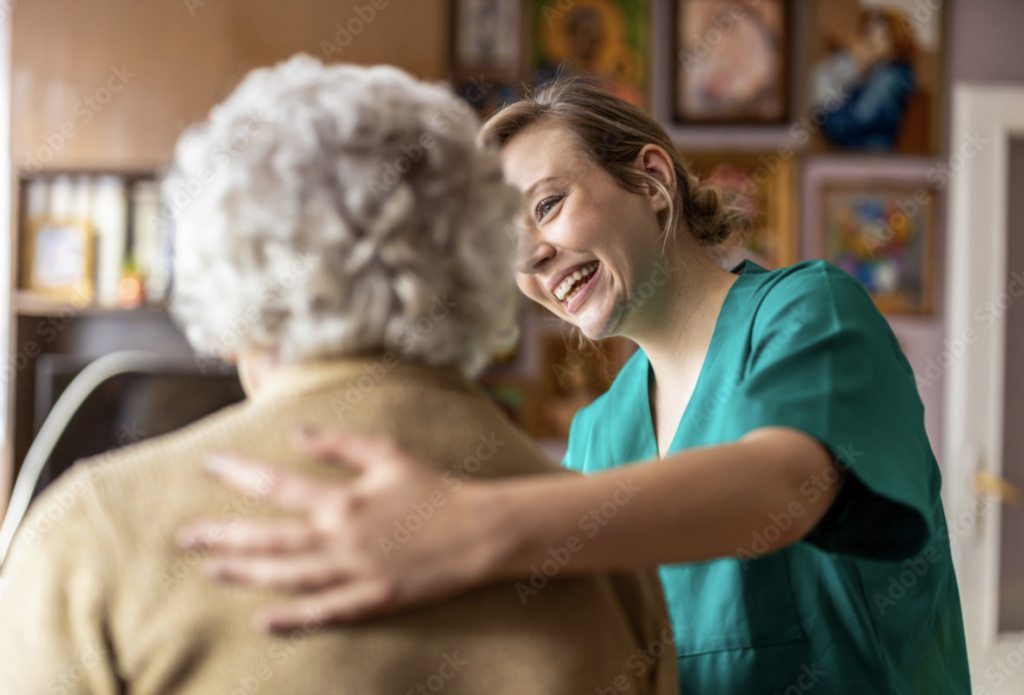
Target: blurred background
{"x": 886, "y": 136}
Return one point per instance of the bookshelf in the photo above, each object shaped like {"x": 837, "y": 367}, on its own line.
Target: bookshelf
{"x": 88, "y": 323}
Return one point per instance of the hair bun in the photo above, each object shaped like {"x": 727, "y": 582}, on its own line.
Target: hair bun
{"x": 713, "y": 215}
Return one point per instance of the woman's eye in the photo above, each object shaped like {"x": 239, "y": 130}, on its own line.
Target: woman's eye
{"x": 544, "y": 206}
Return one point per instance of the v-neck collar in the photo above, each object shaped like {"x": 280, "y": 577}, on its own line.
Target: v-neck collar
{"x": 724, "y": 316}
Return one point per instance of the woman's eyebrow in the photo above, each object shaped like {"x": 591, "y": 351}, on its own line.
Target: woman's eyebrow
{"x": 529, "y": 191}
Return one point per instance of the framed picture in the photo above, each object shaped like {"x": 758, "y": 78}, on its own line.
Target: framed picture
{"x": 873, "y": 78}
{"x": 487, "y": 41}
{"x": 731, "y": 61}
{"x": 604, "y": 40}
{"x": 882, "y": 229}
{"x": 486, "y": 97}
{"x": 488, "y": 57}
{"x": 60, "y": 259}
{"x": 572, "y": 377}
{"x": 764, "y": 185}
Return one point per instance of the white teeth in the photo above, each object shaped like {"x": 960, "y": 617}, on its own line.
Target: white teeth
{"x": 572, "y": 279}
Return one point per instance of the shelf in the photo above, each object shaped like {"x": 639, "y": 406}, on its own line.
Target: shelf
{"x": 28, "y": 303}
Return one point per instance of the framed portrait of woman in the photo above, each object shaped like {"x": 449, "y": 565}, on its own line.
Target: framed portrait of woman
{"x": 764, "y": 186}
{"x": 605, "y": 41}
{"x": 873, "y": 77}
{"x": 731, "y": 61}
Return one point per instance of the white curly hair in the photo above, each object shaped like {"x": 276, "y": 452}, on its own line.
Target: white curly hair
{"x": 332, "y": 210}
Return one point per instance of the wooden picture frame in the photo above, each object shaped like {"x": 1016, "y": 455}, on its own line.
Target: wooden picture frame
{"x": 764, "y": 183}
{"x": 884, "y": 232}
{"x": 855, "y": 82}
{"x": 487, "y": 51}
{"x": 573, "y": 376}
{"x": 731, "y": 61}
{"x": 487, "y": 40}
{"x": 60, "y": 260}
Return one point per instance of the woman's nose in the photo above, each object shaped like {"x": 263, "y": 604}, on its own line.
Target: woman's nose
{"x": 532, "y": 253}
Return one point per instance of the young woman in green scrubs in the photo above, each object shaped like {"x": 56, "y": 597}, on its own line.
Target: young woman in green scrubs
{"x": 768, "y": 434}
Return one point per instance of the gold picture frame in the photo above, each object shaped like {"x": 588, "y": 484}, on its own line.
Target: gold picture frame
{"x": 765, "y": 183}
{"x": 605, "y": 41}
{"x": 884, "y": 233}
{"x": 850, "y": 103}
{"x": 59, "y": 260}
{"x": 575, "y": 373}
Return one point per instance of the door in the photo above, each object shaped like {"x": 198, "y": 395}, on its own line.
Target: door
{"x": 983, "y": 355}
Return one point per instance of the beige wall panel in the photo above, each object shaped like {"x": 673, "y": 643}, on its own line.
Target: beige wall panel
{"x": 183, "y": 56}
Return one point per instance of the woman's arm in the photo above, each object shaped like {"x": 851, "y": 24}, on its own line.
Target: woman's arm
{"x": 348, "y": 552}
{"x": 694, "y": 505}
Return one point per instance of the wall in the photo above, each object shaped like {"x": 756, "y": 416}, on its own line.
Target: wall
{"x": 179, "y": 57}
{"x": 986, "y": 40}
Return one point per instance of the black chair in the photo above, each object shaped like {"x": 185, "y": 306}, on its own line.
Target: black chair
{"x": 119, "y": 399}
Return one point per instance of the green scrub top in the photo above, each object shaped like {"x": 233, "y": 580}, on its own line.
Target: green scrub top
{"x": 868, "y": 602}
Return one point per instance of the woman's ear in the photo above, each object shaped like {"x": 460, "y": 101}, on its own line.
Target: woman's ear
{"x": 656, "y": 161}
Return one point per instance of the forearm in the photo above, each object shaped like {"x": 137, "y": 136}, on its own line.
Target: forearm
{"x": 692, "y": 506}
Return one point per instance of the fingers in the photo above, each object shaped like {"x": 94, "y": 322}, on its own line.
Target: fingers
{"x": 241, "y": 537}
{"x": 356, "y": 450}
{"x": 302, "y": 572}
{"x": 290, "y": 491}
{"x": 342, "y": 604}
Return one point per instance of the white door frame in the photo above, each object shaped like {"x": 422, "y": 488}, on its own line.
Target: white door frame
{"x": 6, "y": 222}
{"x": 985, "y": 117}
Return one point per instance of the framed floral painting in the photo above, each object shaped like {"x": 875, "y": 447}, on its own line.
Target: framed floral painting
{"x": 884, "y": 234}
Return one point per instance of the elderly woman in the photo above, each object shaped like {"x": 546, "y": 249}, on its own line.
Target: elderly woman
{"x": 341, "y": 236}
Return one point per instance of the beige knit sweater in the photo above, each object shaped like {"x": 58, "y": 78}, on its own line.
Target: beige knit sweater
{"x": 100, "y": 600}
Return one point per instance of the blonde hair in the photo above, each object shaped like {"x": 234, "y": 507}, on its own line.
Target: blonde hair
{"x": 612, "y": 132}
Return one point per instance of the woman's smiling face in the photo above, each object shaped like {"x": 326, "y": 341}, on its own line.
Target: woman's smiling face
{"x": 584, "y": 242}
